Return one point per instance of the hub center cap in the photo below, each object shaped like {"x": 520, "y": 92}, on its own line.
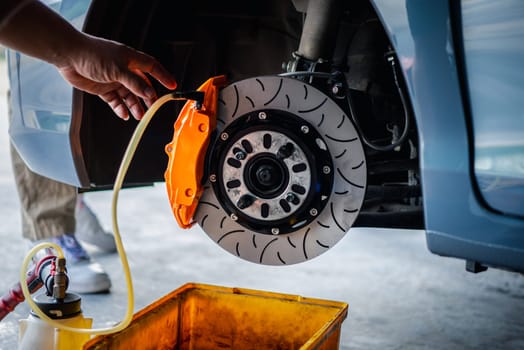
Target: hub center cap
{"x": 266, "y": 176}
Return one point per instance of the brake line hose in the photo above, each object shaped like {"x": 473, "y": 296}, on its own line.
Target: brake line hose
{"x": 124, "y": 165}
{"x": 380, "y": 148}
{"x": 405, "y": 131}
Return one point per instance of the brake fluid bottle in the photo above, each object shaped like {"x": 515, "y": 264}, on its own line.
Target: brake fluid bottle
{"x": 36, "y": 333}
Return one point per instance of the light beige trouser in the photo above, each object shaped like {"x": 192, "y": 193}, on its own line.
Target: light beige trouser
{"x": 47, "y": 206}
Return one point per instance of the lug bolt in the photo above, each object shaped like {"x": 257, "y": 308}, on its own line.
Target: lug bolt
{"x": 285, "y": 151}
{"x": 275, "y": 231}
{"x": 326, "y": 169}
{"x": 224, "y": 136}
{"x": 240, "y": 155}
{"x": 262, "y": 115}
{"x": 233, "y": 217}
{"x": 212, "y": 178}
{"x": 304, "y": 129}
{"x": 313, "y": 212}
{"x": 291, "y": 197}
{"x": 245, "y": 201}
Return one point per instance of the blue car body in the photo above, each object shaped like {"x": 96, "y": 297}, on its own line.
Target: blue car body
{"x": 462, "y": 65}
{"x": 457, "y": 56}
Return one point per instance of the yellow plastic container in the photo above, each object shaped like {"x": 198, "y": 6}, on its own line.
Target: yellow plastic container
{"x": 199, "y": 316}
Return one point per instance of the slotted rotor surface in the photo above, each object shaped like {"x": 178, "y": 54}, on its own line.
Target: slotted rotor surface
{"x": 341, "y": 206}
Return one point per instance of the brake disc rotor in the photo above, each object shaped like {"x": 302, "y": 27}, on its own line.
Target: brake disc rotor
{"x": 287, "y": 172}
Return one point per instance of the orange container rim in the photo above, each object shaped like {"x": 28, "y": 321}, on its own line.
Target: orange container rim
{"x": 329, "y": 325}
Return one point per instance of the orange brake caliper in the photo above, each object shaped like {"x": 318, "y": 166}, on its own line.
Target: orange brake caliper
{"x": 187, "y": 152}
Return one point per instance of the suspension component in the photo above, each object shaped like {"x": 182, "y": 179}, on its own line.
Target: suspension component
{"x": 317, "y": 40}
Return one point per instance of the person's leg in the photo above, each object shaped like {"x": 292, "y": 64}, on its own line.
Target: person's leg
{"x": 48, "y": 214}
{"x": 47, "y": 206}
{"x": 89, "y": 230}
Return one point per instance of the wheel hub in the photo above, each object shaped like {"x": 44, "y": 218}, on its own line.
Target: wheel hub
{"x": 271, "y": 171}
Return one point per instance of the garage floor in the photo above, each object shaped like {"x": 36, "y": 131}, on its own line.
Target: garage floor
{"x": 400, "y": 296}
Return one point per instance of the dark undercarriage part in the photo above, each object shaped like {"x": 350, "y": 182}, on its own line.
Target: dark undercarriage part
{"x": 358, "y": 70}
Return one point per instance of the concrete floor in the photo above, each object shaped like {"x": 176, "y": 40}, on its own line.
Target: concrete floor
{"x": 400, "y": 296}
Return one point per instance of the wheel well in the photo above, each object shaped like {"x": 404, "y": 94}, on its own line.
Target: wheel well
{"x": 199, "y": 39}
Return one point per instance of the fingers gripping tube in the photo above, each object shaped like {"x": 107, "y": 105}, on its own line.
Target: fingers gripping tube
{"x": 187, "y": 152}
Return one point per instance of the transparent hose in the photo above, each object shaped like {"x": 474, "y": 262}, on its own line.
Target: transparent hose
{"x": 124, "y": 165}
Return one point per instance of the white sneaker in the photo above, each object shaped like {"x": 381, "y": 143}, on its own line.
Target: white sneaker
{"x": 89, "y": 230}
{"x": 85, "y": 276}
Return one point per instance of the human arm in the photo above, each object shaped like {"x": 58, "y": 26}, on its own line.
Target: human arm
{"x": 113, "y": 71}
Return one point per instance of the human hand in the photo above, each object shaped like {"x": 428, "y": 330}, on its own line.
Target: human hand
{"x": 114, "y": 72}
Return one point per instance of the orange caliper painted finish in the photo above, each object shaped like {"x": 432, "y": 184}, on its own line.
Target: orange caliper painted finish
{"x": 187, "y": 152}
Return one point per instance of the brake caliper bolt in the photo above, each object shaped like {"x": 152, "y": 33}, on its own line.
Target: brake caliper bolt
{"x": 262, "y": 115}
{"x": 313, "y": 212}
{"x": 275, "y": 231}
{"x": 212, "y": 178}
{"x": 233, "y": 217}
{"x": 224, "y": 136}
{"x": 304, "y": 129}
{"x": 326, "y": 169}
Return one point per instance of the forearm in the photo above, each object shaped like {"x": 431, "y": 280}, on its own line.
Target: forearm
{"x": 33, "y": 30}
{"x": 115, "y": 72}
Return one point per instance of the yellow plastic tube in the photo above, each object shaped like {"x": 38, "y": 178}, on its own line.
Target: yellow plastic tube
{"x": 124, "y": 165}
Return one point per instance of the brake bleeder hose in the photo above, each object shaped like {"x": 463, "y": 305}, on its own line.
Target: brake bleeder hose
{"x": 124, "y": 165}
